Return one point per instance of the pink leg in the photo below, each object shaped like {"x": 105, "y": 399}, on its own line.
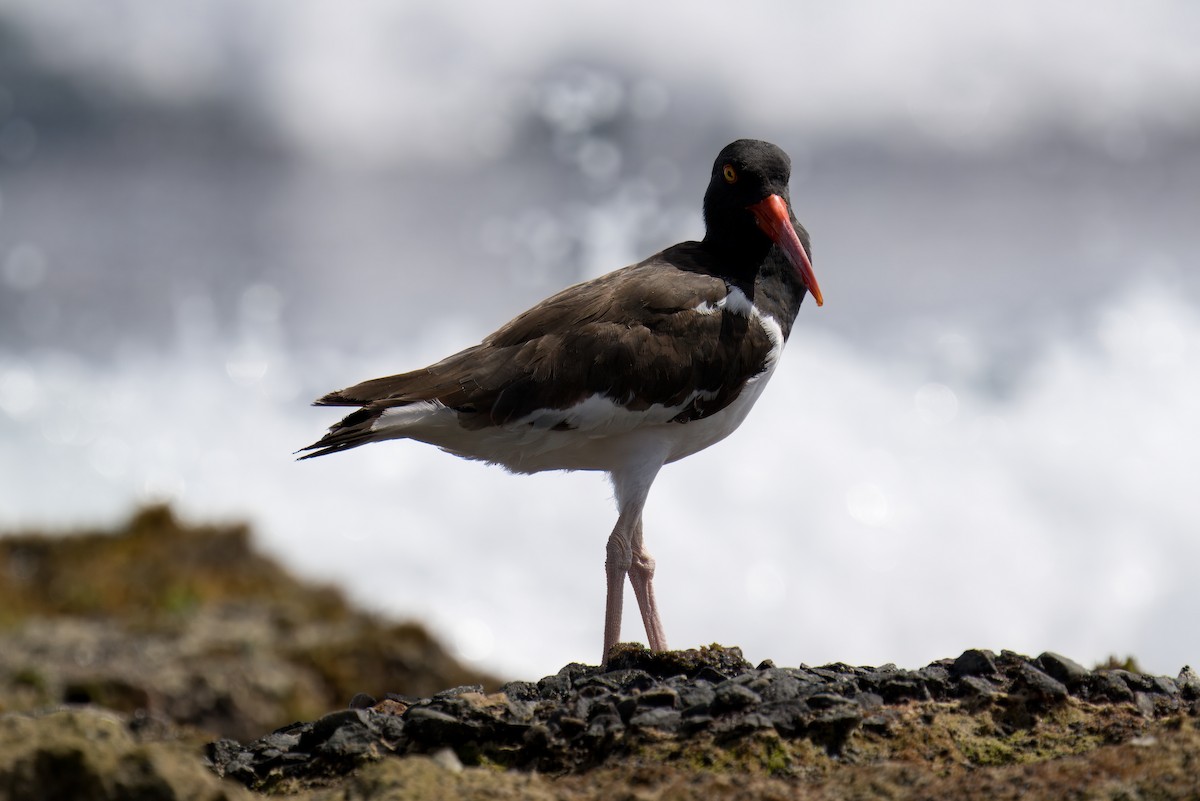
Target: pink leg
{"x": 627, "y": 557}
{"x": 616, "y": 567}
{"x": 641, "y": 576}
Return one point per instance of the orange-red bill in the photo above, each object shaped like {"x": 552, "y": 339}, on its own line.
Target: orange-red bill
{"x": 774, "y": 218}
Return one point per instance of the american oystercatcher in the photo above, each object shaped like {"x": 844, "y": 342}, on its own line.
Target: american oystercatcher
{"x": 624, "y": 373}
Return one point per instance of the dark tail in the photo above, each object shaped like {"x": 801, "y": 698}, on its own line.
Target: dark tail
{"x": 350, "y": 432}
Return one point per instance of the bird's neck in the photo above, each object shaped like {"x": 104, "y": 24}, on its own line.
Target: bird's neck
{"x": 778, "y": 291}
{"x": 738, "y": 248}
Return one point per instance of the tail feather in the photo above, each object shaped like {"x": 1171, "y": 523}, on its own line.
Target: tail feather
{"x": 444, "y": 381}
{"x": 353, "y": 430}
{"x": 343, "y": 397}
{"x": 446, "y": 384}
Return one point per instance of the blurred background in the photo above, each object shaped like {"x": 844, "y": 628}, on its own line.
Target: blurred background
{"x": 213, "y": 212}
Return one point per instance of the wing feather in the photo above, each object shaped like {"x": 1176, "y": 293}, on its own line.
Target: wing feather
{"x": 652, "y": 333}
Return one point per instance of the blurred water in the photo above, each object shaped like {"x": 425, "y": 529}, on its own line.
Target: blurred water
{"x": 863, "y": 513}
{"x": 986, "y": 437}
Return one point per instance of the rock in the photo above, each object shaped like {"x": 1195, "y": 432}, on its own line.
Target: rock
{"x": 583, "y": 716}
{"x": 937, "y": 680}
{"x": 697, "y": 697}
{"x": 1145, "y": 704}
{"x": 1137, "y": 682}
{"x": 974, "y": 662}
{"x": 583, "y": 719}
{"x": 212, "y": 634}
{"x": 1189, "y": 684}
{"x": 662, "y": 696}
{"x": 362, "y": 701}
{"x": 690, "y": 724}
{"x": 665, "y": 720}
{"x": 832, "y": 727}
{"x": 1038, "y": 686}
{"x": 435, "y": 727}
{"x": 729, "y": 696}
{"x": 522, "y": 691}
{"x": 977, "y": 688}
{"x": 1108, "y": 685}
{"x": 82, "y": 753}
{"x": 715, "y": 658}
{"x": 901, "y": 687}
{"x": 1069, "y": 672}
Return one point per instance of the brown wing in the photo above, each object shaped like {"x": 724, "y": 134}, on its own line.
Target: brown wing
{"x": 635, "y": 335}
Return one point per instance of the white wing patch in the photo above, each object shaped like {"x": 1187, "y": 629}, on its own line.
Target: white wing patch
{"x": 734, "y": 302}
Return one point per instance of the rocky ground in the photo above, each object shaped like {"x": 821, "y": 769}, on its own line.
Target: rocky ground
{"x": 191, "y": 624}
{"x": 169, "y": 662}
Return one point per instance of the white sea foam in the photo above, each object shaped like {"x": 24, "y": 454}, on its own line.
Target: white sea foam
{"x": 862, "y": 513}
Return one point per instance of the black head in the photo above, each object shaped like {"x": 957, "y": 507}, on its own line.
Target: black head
{"x": 745, "y": 172}
{"x": 747, "y": 210}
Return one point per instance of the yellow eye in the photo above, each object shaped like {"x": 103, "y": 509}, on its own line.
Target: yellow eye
{"x": 730, "y": 174}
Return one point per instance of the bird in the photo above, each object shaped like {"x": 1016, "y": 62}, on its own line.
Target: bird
{"x": 624, "y": 373}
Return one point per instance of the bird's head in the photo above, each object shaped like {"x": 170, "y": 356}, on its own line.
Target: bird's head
{"x": 747, "y": 205}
